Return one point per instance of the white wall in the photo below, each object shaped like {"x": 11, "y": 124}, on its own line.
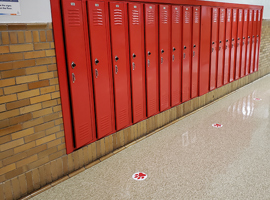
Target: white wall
{"x": 32, "y": 11}
{"x": 38, "y": 11}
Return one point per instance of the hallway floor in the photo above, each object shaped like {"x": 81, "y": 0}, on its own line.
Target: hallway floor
{"x": 191, "y": 159}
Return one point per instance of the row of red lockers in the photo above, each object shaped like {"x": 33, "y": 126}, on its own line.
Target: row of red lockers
{"x": 130, "y": 61}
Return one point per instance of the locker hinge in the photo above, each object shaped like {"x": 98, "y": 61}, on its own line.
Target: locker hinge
{"x": 96, "y": 73}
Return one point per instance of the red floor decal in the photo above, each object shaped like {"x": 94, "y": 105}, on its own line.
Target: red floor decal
{"x": 257, "y": 99}
{"x": 217, "y": 125}
{"x": 139, "y": 176}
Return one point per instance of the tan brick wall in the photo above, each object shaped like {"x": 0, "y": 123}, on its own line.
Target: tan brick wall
{"x": 31, "y": 128}
{"x": 32, "y": 148}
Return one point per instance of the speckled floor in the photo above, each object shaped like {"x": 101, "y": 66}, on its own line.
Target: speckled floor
{"x": 190, "y": 159}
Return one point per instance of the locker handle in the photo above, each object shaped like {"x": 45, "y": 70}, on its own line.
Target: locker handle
{"x": 73, "y": 65}
{"x": 116, "y": 58}
{"x": 184, "y": 56}
{"x": 148, "y": 62}
{"x": 96, "y": 71}
{"x": 133, "y": 66}
{"x": 173, "y": 58}
{"x": 161, "y": 60}
{"x": 116, "y": 69}
{"x": 149, "y": 53}
{"x": 243, "y": 43}
{"x": 73, "y": 78}
{"x": 174, "y": 48}
{"x": 219, "y": 48}
{"x": 193, "y": 53}
{"x": 96, "y": 61}
{"x": 133, "y": 55}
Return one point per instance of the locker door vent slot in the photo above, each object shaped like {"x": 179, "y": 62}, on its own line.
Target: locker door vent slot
{"x": 197, "y": 17}
{"x": 187, "y": 17}
{"x": 84, "y": 131}
{"x": 135, "y": 17}
{"x": 150, "y": 17}
{"x": 97, "y": 17}
{"x": 123, "y": 116}
{"x": 176, "y": 16}
{"x": 164, "y": 16}
{"x": 74, "y": 18}
{"x": 118, "y": 17}
{"x": 139, "y": 110}
{"x": 104, "y": 125}
{"x": 222, "y": 17}
{"x": 152, "y": 104}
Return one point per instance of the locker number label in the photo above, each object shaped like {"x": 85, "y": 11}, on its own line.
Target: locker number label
{"x": 257, "y": 99}
{"x": 217, "y": 125}
{"x": 139, "y": 176}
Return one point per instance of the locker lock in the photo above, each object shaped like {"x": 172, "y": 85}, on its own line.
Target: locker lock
{"x": 227, "y": 40}
{"x": 149, "y": 53}
{"x": 238, "y": 38}
{"x": 73, "y": 65}
{"x": 185, "y": 47}
{"x": 248, "y": 36}
{"x": 244, "y": 38}
{"x": 220, "y": 41}
{"x": 174, "y": 48}
{"x": 257, "y": 35}
{"x": 133, "y": 55}
{"x": 253, "y": 36}
{"x": 232, "y": 39}
{"x": 96, "y": 61}
{"x": 194, "y": 45}
{"x": 116, "y": 58}
{"x": 162, "y": 51}
{"x": 213, "y": 42}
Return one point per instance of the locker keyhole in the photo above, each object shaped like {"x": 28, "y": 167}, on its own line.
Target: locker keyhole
{"x": 116, "y": 58}
{"x": 174, "y": 48}
{"x": 96, "y": 61}
{"x": 194, "y": 45}
{"x": 232, "y": 39}
{"x": 73, "y": 65}
{"x": 134, "y": 56}
{"x": 149, "y": 53}
{"x": 185, "y": 47}
{"x": 162, "y": 51}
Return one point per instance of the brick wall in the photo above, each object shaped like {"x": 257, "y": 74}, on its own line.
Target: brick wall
{"x": 32, "y": 148}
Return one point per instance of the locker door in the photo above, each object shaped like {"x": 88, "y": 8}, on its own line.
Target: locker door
{"x": 221, "y": 50}
{"x": 164, "y": 52}
{"x": 121, "y": 71}
{"x": 136, "y": 36}
{"x": 239, "y": 44}
{"x": 215, "y": 47}
{"x": 234, "y": 44}
{"x": 205, "y": 49}
{"x": 103, "y": 85}
{"x": 151, "y": 47}
{"x": 257, "y": 53}
{"x": 186, "y": 60}
{"x": 176, "y": 55}
{"x": 249, "y": 42}
{"x": 77, "y": 50}
{"x": 244, "y": 43}
{"x": 253, "y": 43}
{"x": 228, "y": 46}
{"x": 196, "y": 51}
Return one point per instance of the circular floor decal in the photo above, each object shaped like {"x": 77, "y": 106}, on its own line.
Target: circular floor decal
{"x": 217, "y": 125}
{"x": 139, "y": 176}
{"x": 257, "y": 99}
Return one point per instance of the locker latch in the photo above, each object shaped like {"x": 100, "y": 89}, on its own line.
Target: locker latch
{"x": 134, "y": 56}
{"x": 219, "y": 48}
{"x": 184, "y": 56}
{"x": 173, "y": 58}
{"x": 162, "y": 51}
{"x": 73, "y": 65}
{"x": 133, "y": 65}
{"x": 96, "y": 61}
{"x": 116, "y": 58}
{"x": 174, "y": 48}
{"x": 193, "y": 53}
{"x": 213, "y": 49}
{"x": 73, "y": 78}
{"x": 96, "y": 71}
{"x": 161, "y": 60}
{"x": 149, "y": 53}
{"x": 116, "y": 69}
{"x": 148, "y": 62}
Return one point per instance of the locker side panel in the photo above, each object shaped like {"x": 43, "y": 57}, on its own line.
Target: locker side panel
{"x": 258, "y": 36}
{"x": 136, "y": 35}
{"x": 186, "y": 60}
{"x": 164, "y": 52}
{"x": 78, "y": 63}
{"x": 176, "y": 55}
{"x": 253, "y": 41}
{"x": 239, "y": 44}
{"x": 249, "y": 42}
{"x": 228, "y": 46}
{"x": 195, "y": 52}
{"x": 151, "y": 49}
{"x": 121, "y": 70}
{"x": 215, "y": 48}
{"x": 205, "y": 49}
{"x": 244, "y": 43}
{"x": 234, "y": 44}
{"x": 103, "y": 85}
{"x": 221, "y": 50}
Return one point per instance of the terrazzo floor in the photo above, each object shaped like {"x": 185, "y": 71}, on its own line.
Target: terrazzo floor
{"x": 191, "y": 159}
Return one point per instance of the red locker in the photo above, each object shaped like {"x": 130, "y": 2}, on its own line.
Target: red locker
{"x": 244, "y": 43}
{"x": 234, "y": 44}
{"x": 176, "y": 55}
{"x": 74, "y": 16}
{"x": 205, "y": 49}
{"x": 239, "y": 44}
{"x": 136, "y": 36}
{"x": 249, "y": 42}
{"x": 186, "y": 60}
{"x": 165, "y": 50}
{"x": 221, "y": 50}
{"x": 121, "y": 71}
{"x": 151, "y": 47}
{"x": 257, "y": 53}
{"x": 228, "y": 46}
{"x": 196, "y": 51}
{"x": 215, "y": 47}
{"x": 101, "y": 56}
{"x": 253, "y": 45}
